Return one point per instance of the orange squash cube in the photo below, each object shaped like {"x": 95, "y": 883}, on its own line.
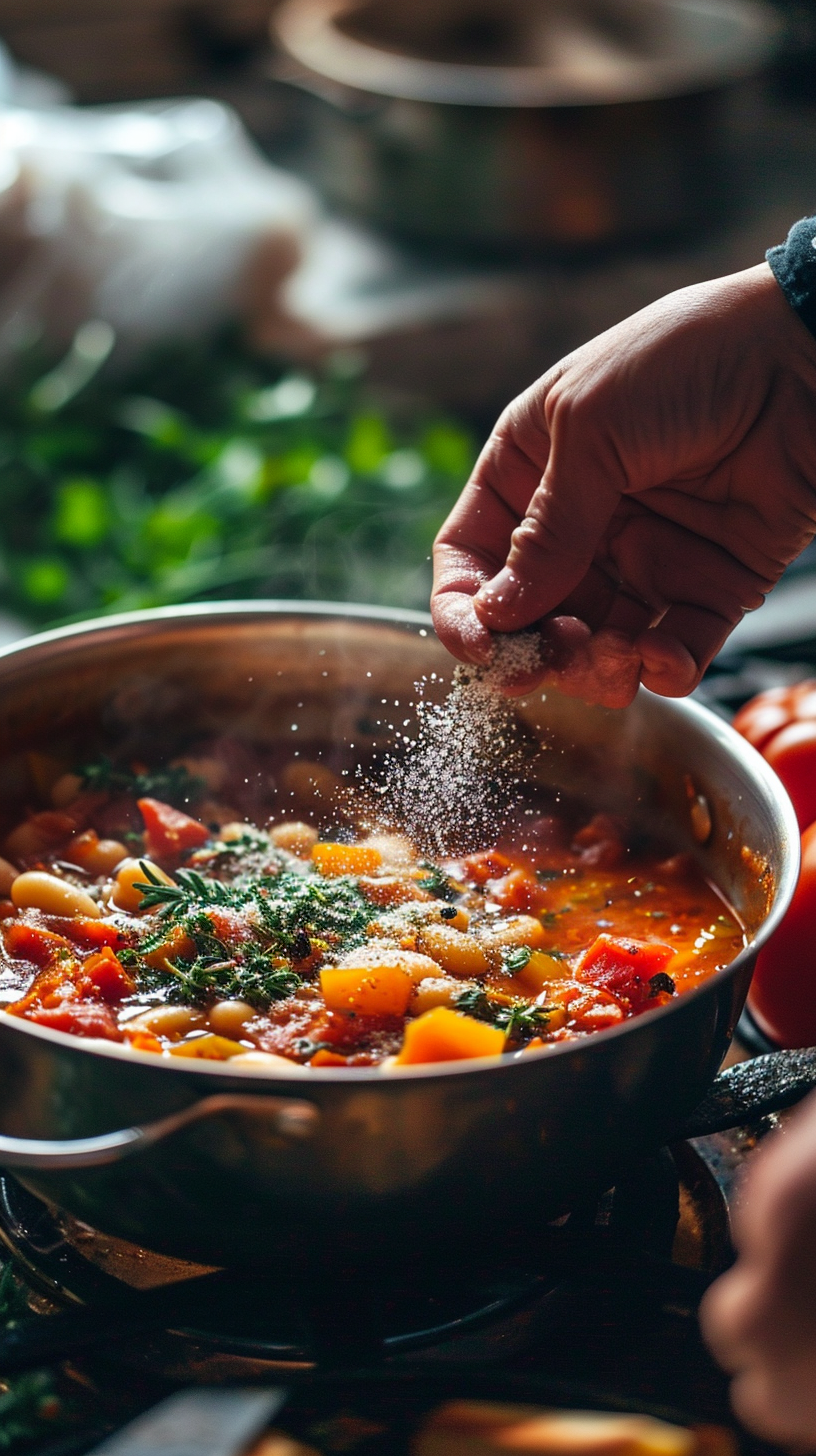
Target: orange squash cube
{"x": 442, "y": 1035}
{"x": 346, "y": 859}
{"x": 368, "y": 990}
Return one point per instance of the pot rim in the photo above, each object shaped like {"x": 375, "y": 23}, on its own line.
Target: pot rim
{"x": 307, "y": 32}
{"x": 748, "y": 759}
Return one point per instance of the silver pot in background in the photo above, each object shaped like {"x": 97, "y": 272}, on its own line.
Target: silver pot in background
{"x": 521, "y": 124}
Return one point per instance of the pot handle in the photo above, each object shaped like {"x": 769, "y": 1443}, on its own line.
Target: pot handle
{"x": 751, "y": 1090}
{"x": 293, "y": 1120}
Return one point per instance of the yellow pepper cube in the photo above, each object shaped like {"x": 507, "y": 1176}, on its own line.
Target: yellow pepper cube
{"x": 539, "y": 971}
{"x": 368, "y": 990}
{"x": 208, "y": 1048}
{"x": 442, "y": 1035}
{"x": 346, "y": 859}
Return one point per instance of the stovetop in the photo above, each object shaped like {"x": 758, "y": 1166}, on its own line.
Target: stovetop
{"x": 599, "y": 1308}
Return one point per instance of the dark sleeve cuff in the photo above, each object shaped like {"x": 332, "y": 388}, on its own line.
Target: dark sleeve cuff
{"x": 793, "y": 265}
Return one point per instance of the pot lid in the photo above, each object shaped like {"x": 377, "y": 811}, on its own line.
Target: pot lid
{"x": 521, "y": 53}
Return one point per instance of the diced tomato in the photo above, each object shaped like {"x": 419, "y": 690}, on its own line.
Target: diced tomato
{"x": 104, "y": 975}
{"x": 30, "y": 943}
{"x": 80, "y": 1018}
{"x": 594, "y": 1011}
{"x": 340, "y": 1029}
{"x": 625, "y": 969}
{"x": 490, "y": 864}
{"x": 519, "y": 891}
{"x": 89, "y": 933}
{"x": 168, "y": 832}
{"x": 8, "y": 910}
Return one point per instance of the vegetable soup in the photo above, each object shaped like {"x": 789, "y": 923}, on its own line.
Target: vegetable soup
{"x": 304, "y": 943}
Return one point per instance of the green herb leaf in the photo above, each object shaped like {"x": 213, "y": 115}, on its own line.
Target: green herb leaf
{"x": 520, "y": 1021}
{"x": 515, "y": 958}
{"x": 437, "y": 883}
{"x": 175, "y": 786}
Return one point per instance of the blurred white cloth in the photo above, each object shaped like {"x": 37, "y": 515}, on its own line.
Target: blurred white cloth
{"x": 159, "y": 219}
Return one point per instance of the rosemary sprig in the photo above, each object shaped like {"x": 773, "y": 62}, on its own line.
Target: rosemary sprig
{"x": 190, "y": 890}
{"x": 290, "y": 915}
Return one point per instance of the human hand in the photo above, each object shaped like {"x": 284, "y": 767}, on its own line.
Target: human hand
{"x": 760, "y": 1318}
{"x": 642, "y": 496}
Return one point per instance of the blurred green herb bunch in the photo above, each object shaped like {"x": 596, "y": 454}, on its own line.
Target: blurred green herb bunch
{"x": 205, "y": 472}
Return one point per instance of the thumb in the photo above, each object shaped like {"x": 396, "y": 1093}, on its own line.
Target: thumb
{"x": 553, "y": 547}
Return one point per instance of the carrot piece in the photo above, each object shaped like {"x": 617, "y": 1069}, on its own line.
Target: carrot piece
{"x": 325, "y": 1058}
{"x": 104, "y": 975}
{"x": 368, "y": 990}
{"x": 442, "y": 1035}
{"x": 168, "y": 832}
{"x": 90, "y": 933}
{"x": 346, "y": 859}
{"x": 143, "y": 1041}
{"x": 177, "y": 944}
{"x": 31, "y": 943}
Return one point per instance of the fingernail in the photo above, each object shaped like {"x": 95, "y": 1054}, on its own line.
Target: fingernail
{"x": 500, "y": 592}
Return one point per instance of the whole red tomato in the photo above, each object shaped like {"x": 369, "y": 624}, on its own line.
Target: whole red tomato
{"x": 783, "y": 991}
{"x": 781, "y": 724}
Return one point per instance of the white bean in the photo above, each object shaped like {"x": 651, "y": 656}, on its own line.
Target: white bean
{"x": 295, "y": 837}
{"x": 455, "y": 951}
{"x": 36, "y": 890}
{"x": 268, "y": 1062}
{"x": 97, "y": 856}
{"x": 434, "y": 991}
{"x": 228, "y": 1018}
{"x": 170, "y": 1021}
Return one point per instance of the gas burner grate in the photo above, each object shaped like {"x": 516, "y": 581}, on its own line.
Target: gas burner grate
{"x": 135, "y": 1308}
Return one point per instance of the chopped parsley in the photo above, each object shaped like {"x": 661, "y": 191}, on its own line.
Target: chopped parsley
{"x": 175, "y": 786}
{"x": 515, "y": 958}
{"x": 518, "y": 1019}
{"x": 437, "y": 883}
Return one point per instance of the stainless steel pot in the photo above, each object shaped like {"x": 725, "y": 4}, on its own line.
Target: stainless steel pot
{"x": 204, "y": 1162}
{"x": 520, "y": 123}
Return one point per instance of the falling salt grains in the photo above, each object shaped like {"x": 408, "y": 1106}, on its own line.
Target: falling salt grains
{"x": 460, "y": 779}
